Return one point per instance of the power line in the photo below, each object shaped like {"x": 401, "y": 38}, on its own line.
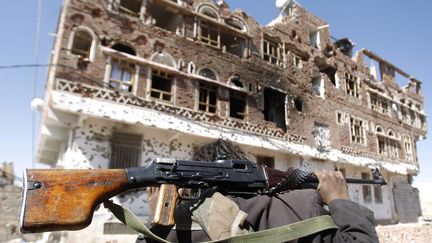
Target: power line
{"x": 35, "y": 77}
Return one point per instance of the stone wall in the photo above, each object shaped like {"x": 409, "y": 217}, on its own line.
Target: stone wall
{"x": 10, "y": 198}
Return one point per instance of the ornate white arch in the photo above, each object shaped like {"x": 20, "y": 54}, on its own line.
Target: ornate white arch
{"x": 164, "y": 59}
{"x": 207, "y": 68}
{"x": 209, "y": 10}
{"x": 79, "y": 28}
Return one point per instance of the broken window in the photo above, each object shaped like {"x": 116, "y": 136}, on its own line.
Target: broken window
{"x": 82, "y": 43}
{"x": 207, "y": 98}
{"x": 125, "y": 150}
{"x": 208, "y": 34}
{"x": 165, "y": 18}
{"x": 298, "y": 104}
{"x": 408, "y": 148}
{"x": 331, "y": 74}
{"x": 271, "y": 51}
{"x": 314, "y": 37}
{"x": 322, "y": 137}
{"x": 378, "y": 103}
{"x": 237, "y": 105}
{"x": 318, "y": 87}
{"x": 122, "y": 75}
{"x": 357, "y": 131}
{"x": 266, "y": 161}
{"x": 274, "y": 107}
{"x": 132, "y": 7}
{"x": 352, "y": 85}
{"x": 208, "y": 73}
{"x": 367, "y": 192}
{"x": 233, "y": 43}
{"x": 297, "y": 62}
{"x": 161, "y": 85}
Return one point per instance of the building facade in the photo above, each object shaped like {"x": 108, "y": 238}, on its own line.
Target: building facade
{"x": 141, "y": 79}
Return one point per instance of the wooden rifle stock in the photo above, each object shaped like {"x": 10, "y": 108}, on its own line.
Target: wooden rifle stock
{"x": 66, "y": 199}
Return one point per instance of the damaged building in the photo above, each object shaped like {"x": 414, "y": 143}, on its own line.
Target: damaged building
{"x": 142, "y": 79}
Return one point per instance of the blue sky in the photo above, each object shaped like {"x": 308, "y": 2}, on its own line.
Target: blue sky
{"x": 400, "y": 32}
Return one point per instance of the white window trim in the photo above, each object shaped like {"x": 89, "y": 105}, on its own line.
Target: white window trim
{"x": 92, "y": 53}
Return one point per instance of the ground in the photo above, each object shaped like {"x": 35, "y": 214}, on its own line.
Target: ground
{"x": 405, "y": 233}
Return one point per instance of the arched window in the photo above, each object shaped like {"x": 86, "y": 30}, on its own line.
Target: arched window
{"x": 124, "y": 48}
{"x": 209, "y": 11}
{"x": 391, "y": 133}
{"x": 208, "y": 73}
{"x": 379, "y": 129}
{"x": 82, "y": 43}
{"x": 237, "y": 82}
{"x": 237, "y": 24}
{"x": 163, "y": 58}
{"x": 191, "y": 67}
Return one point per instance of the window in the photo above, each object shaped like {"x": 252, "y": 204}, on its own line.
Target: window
{"x": 357, "y": 131}
{"x": 208, "y": 34}
{"x": 274, "y": 107}
{"x": 207, "y": 98}
{"x": 271, "y": 52}
{"x": 378, "y": 194}
{"x": 387, "y": 145}
{"x": 392, "y": 147}
{"x": 82, "y": 43}
{"x": 237, "y": 105}
{"x": 381, "y": 146}
{"x": 122, "y": 75}
{"x": 208, "y": 73}
{"x": 132, "y": 7}
{"x": 297, "y": 62}
{"x": 161, "y": 85}
{"x": 367, "y": 192}
{"x": 352, "y": 86}
{"x": 318, "y": 87}
{"x": 125, "y": 150}
{"x": 339, "y": 118}
{"x": 265, "y": 161}
{"x": 408, "y": 148}
{"x": 166, "y": 18}
{"x": 378, "y": 103}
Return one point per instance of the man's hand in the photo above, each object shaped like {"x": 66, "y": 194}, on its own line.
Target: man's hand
{"x": 332, "y": 185}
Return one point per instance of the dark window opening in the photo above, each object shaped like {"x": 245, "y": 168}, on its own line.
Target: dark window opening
{"x": 208, "y": 73}
{"x": 164, "y": 18}
{"x": 274, "y": 107}
{"x": 207, "y": 98}
{"x": 82, "y": 43}
{"x": 237, "y": 105}
{"x": 125, "y": 150}
{"x": 265, "y": 161}
{"x": 124, "y": 48}
{"x": 298, "y": 104}
{"x": 161, "y": 85}
{"x": 237, "y": 82}
{"x": 331, "y": 74}
{"x": 233, "y": 43}
{"x": 132, "y": 7}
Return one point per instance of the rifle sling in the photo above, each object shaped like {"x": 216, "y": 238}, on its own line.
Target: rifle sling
{"x": 280, "y": 234}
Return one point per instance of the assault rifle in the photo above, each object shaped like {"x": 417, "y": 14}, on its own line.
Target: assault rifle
{"x": 61, "y": 199}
